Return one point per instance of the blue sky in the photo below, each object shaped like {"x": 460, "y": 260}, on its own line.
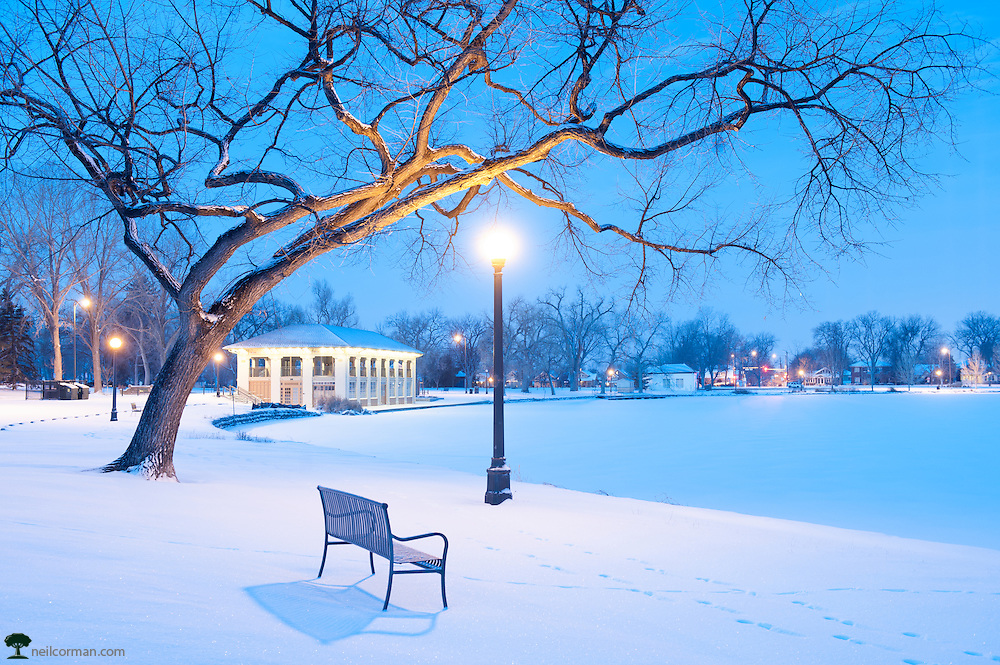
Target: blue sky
{"x": 939, "y": 260}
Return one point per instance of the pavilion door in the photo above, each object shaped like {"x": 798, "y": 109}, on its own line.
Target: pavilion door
{"x": 383, "y": 399}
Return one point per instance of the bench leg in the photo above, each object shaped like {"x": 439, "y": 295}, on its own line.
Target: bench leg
{"x": 388, "y": 590}
{"x": 444, "y": 599}
{"x": 326, "y": 546}
{"x": 371, "y": 561}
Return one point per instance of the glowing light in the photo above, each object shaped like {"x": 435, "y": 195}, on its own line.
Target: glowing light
{"x": 115, "y": 343}
{"x": 498, "y": 245}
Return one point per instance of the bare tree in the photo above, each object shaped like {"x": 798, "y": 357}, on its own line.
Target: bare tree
{"x": 832, "y": 345}
{"x": 331, "y": 310}
{"x": 530, "y": 339}
{"x": 979, "y": 332}
{"x": 645, "y": 333}
{"x": 363, "y": 127}
{"x": 41, "y": 230}
{"x": 914, "y": 339}
{"x": 755, "y": 352}
{"x": 470, "y": 333}
{"x": 870, "y": 335}
{"x": 576, "y": 322}
{"x": 103, "y": 269}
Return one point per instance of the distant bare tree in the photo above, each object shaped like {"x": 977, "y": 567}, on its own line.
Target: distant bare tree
{"x": 103, "y": 270}
{"x": 833, "y": 347}
{"x": 980, "y": 332}
{"x": 529, "y": 339}
{"x": 756, "y": 353}
{"x": 474, "y": 333}
{"x": 40, "y": 227}
{"x": 914, "y": 339}
{"x": 643, "y": 340}
{"x": 331, "y": 310}
{"x": 363, "y": 125}
{"x": 576, "y": 322}
{"x": 870, "y": 335}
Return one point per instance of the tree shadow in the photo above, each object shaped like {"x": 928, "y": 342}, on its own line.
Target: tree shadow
{"x": 329, "y": 613}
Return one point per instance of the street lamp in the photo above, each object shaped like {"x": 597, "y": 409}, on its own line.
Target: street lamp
{"x": 84, "y": 303}
{"x": 115, "y": 343}
{"x": 938, "y": 372}
{"x": 218, "y": 359}
{"x": 946, "y": 352}
{"x": 498, "y": 247}
{"x": 753, "y": 354}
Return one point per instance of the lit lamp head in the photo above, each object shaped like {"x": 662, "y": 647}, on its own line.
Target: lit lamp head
{"x": 219, "y": 356}
{"x": 84, "y": 302}
{"x": 115, "y": 343}
{"x": 498, "y": 245}
{"x": 944, "y": 350}
{"x": 458, "y": 338}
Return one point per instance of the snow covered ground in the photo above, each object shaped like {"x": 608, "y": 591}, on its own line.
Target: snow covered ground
{"x": 221, "y": 567}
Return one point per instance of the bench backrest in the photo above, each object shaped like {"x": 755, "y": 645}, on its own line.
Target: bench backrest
{"x": 357, "y": 520}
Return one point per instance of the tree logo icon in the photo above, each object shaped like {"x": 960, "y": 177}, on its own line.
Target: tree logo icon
{"x": 17, "y": 641}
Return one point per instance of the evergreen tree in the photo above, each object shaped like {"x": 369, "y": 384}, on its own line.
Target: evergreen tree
{"x": 17, "y": 348}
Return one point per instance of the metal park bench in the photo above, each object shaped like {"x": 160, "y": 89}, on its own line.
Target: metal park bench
{"x": 355, "y": 520}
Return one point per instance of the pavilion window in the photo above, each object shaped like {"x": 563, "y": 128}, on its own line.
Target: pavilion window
{"x": 374, "y": 371}
{"x": 364, "y": 367}
{"x": 408, "y": 368}
{"x": 392, "y": 369}
{"x": 383, "y": 369}
{"x": 291, "y": 366}
{"x": 353, "y": 367}
{"x": 323, "y": 366}
{"x": 259, "y": 368}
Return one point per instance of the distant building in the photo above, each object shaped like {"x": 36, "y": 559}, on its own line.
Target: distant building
{"x": 302, "y": 364}
{"x": 861, "y": 373}
{"x": 671, "y": 378}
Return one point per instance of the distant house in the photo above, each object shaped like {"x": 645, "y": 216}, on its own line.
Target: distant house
{"x": 821, "y": 377}
{"x": 302, "y": 364}
{"x": 861, "y": 374}
{"x": 671, "y": 378}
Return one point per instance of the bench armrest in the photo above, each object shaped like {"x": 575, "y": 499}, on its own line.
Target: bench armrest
{"x": 444, "y": 554}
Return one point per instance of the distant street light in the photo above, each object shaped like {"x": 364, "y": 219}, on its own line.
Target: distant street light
{"x": 939, "y": 373}
{"x": 84, "y": 303}
{"x": 498, "y": 247}
{"x": 461, "y": 339}
{"x": 115, "y": 343}
{"x": 219, "y": 357}
{"x": 946, "y": 352}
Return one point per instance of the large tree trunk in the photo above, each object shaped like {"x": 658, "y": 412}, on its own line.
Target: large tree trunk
{"x": 151, "y": 451}
{"x": 56, "y": 348}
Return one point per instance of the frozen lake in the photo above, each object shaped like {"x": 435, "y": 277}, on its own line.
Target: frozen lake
{"x": 922, "y": 465}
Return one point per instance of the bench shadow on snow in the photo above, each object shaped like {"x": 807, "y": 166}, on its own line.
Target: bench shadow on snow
{"x": 329, "y": 613}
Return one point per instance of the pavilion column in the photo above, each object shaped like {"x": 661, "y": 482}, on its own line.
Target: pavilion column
{"x": 307, "y": 378}
{"x": 275, "y": 369}
{"x": 242, "y": 370}
{"x": 340, "y": 365}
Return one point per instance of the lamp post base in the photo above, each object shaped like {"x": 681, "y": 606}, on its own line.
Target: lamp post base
{"x": 498, "y": 483}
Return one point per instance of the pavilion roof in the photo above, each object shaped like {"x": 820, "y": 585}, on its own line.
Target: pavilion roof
{"x": 321, "y": 336}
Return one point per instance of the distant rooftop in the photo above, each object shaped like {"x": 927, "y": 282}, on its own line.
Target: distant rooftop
{"x": 318, "y": 336}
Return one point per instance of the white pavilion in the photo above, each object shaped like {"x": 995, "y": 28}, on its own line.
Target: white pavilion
{"x": 302, "y": 364}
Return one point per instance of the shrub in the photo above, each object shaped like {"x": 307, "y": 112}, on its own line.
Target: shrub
{"x": 342, "y": 406}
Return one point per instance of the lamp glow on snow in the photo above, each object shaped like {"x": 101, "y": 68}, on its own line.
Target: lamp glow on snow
{"x": 115, "y": 343}
{"x": 498, "y": 245}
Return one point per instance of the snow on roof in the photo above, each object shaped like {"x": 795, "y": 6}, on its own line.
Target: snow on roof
{"x": 318, "y": 336}
{"x": 672, "y": 368}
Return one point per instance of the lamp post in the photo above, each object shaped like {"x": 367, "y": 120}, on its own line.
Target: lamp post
{"x": 938, "y": 372}
{"x": 84, "y": 303}
{"x": 115, "y": 343}
{"x": 945, "y": 352}
{"x": 218, "y": 359}
{"x": 498, "y": 475}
